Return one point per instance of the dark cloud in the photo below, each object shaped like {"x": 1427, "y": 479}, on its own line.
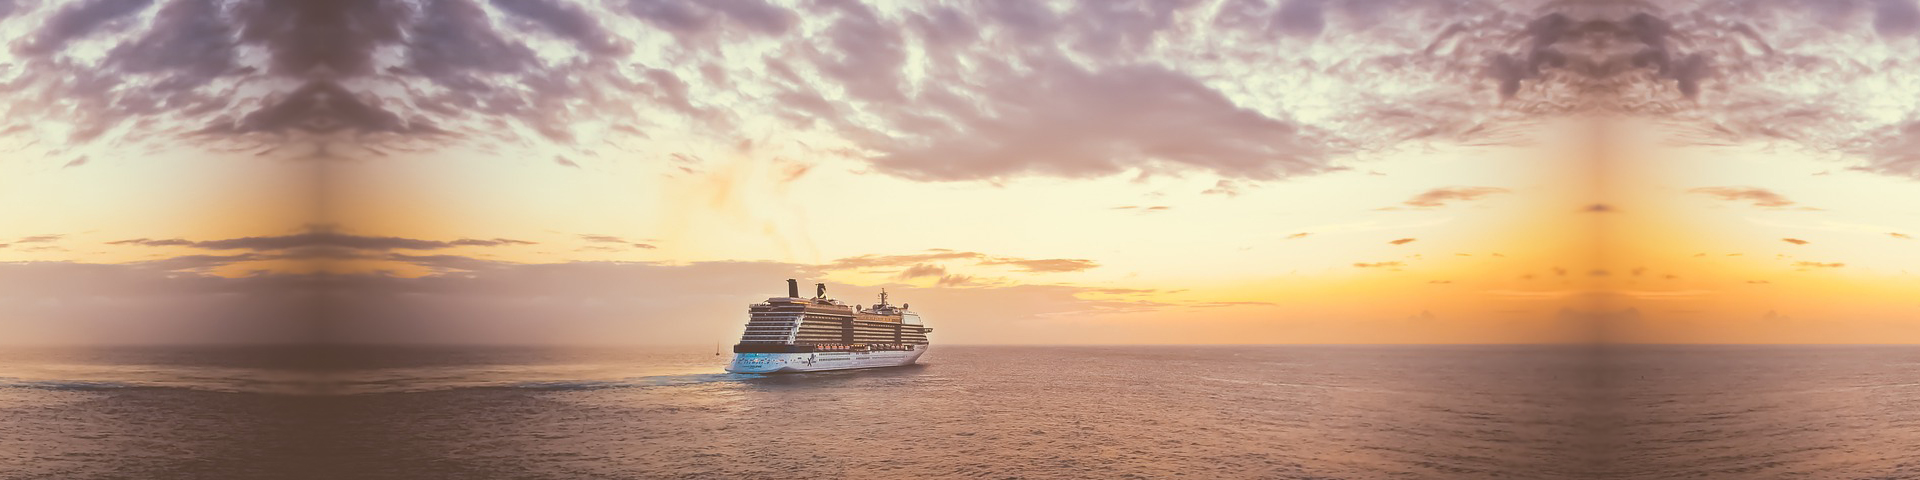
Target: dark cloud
{"x": 1578, "y": 52}
{"x": 567, "y": 21}
{"x": 1402, "y": 241}
{"x": 1303, "y": 17}
{"x": 338, "y": 36}
{"x": 690, "y": 17}
{"x": 40, "y": 239}
{"x": 1899, "y": 235}
{"x": 1759, "y": 197}
{"x": 322, "y": 107}
{"x": 1896, "y": 17}
{"x": 78, "y": 21}
{"x": 1795, "y": 241}
{"x": 78, "y": 161}
{"x": 1439, "y": 197}
{"x": 1067, "y": 124}
{"x": 1598, "y": 208}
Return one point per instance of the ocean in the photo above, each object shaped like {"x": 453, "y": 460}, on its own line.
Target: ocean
{"x": 1362, "y": 412}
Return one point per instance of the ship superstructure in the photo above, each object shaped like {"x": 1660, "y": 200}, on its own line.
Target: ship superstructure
{"x": 795, "y": 334}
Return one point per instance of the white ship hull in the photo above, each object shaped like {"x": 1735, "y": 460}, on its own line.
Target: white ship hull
{"x": 821, "y": 361}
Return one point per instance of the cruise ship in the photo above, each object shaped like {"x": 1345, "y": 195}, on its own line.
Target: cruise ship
{"x": 795, "y": 334}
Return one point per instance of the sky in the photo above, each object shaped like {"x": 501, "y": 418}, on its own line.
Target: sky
{"x": 1068, "y": 172}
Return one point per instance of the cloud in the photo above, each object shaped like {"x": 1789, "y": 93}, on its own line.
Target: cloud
{"x": 40, "y": 239}
{"x": 865, "y": 261}
{"x": 926, "y": 91}
{"x": 321, "y": 239}
{"x": 473, "y": 242}
{"x": 1899, "y": 235}
{"x": 613, "y": 239}
{"x": 1067, "y": 125}
{"x": 1298, "y": 235}
{"x": 78, "y": 20}
{"x": 1402, "y": 241}
{"x": 936, "y": 255}
{"x": 1795, "y": 241}
{"x": 1439, "y": 197}
{"x": 1759, "y": 197}
{"x": 1598, "y": 208}
{"x": 1818, "y": 265}
{"x": 1228, "y": 188}
{"x": 603, "y": 238}
{"x": 1045, "y": 265}
{"x": 170, "y": 242}
{"x": 309, "y": 239}
{"x": 199, "y": 263}
{"x": 922, "y": 270}
{"x": 1379, "y": 264}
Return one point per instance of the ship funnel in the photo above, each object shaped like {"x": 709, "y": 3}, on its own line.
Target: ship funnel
{"x": 793, "y": 288}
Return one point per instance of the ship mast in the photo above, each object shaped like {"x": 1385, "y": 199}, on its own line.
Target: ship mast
{"x": 883, "y": 298}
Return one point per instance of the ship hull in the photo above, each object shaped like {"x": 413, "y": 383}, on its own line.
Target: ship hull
{"x": 821, "y": 361}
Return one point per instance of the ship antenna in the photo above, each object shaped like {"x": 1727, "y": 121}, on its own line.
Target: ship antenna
{"x": 883, "y": 297}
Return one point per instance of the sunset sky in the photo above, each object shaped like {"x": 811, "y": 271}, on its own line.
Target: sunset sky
{"x": 637, "y": 172}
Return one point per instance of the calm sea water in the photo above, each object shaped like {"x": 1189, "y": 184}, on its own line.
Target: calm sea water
{"x": 975, "y": 412}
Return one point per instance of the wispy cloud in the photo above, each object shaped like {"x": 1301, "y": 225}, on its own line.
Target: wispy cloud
{"x": 1440, "y": 197}
{"x": 321, "y": 239}
{"x": 1756, "y": 196}
{"x": 1819, "y": 264}
{"x": 1045, "y": 265}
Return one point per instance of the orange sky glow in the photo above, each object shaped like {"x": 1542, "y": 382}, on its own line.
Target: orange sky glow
{"x": 1085, "y": 192}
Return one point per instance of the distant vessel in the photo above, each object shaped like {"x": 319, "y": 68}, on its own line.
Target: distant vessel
{"x": 794, "y": 334}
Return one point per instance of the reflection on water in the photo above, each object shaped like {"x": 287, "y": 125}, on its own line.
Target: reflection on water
{"x": 1033, "y": 412}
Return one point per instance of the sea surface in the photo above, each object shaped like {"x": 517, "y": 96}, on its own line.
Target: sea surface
{"x": 1574, "y": 412}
